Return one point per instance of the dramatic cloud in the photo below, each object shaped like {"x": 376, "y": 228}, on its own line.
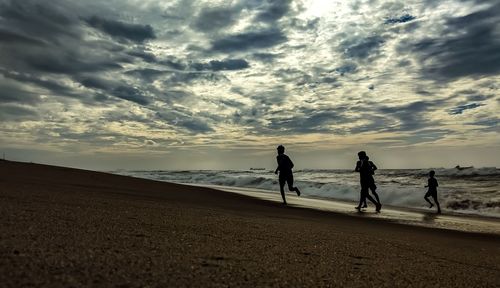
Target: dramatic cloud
{"x": 468, "y": 46}
{"x": 17, "y": 113}
{"x": 134, "y": 32}
{"x": 207, "y": 78}
{"x": 460, "y": 109}
{"x": 210, "y": 19}
{"x": 249, "y": 40}
{"x": 361, "y": 48}
{"x": 274, "y": 10}
{"x": 216, "y": 65}
{"x": 401, "y": 19}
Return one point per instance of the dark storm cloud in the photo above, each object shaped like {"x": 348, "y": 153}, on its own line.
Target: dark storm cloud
{"x": 43, "y": 21}
{"x": 63, "y": 50}
{"x": 361, "y": 48}
{"x": 467, "y": 47}
{"x": 265, "y": 57}
{"x": 473, "y": 95}
{"x": 146, "y": 56}
{"x": 231, "y": 103}
{"x": 174, "y": 64}
{"x": 17, "y": 113}
{"x": 46, "y": 47}
{"x": 186, "y": 120}
{"x": 460, "y": 109}
{"x": 11, "y": 93}
{"x": 375, "y": 123}
{"x": 346, "y": 68}
{"x": 309, "y": 120}
{"x": 55, "y": 87}
{"x": 249, "y": 40}
{"x": 479, "y": 97}
{"x": 273, "y": 10}
{"x": 12, "y": 37}
{"x": 189, "y": 72}
{"x": 310, "y": 79}
{"x": 95, "y": 82}
{"x": 121, "y": 30}
{"x": 67, "y": 62}
{"x": 186, "y": 78}
{"x": 147, "y": 74}
{"x": 131, "y": 94}
{"x": 118, "y": 89}
{"x": 488, "y": 122}
{"x": 420, "y": 136}
{"x": 293, "y": 75}
{"x": 402, "y": 19}
{"x": 97, "y": 135}
{"x": 276, "y": 95}
{"x": 210, "y": 19}
{"x": 195, "y": 125}
{"x": 216, "y": 65}
{"x": 410, "y": 116}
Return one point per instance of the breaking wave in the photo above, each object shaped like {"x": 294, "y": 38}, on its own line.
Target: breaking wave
{"x": 465, "y": 190}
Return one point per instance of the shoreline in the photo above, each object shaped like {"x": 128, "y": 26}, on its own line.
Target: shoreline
{"x": 486, "y": 217}
{"x": 392, "y": 214}
{"x": 403, "y": 191}
{"x": 67, "y": 227}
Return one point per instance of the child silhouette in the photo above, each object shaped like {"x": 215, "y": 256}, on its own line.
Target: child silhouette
{"x": 432, "y": 185}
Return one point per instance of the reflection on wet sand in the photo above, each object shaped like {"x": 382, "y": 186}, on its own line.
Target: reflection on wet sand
{"x": 478, "y": 224}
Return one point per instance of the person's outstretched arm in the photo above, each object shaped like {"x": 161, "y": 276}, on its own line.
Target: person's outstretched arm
{"x": 373, "y": 166}
{"x": 291, "y": 163}
{"x": 277, "y": 168}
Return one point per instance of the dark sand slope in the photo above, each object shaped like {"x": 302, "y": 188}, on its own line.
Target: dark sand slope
{"x": 68, "y": 228}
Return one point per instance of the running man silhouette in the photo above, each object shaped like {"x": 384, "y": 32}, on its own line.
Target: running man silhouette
{"x": 285, "y": 166}
{"x": 372, "y": 187}
{"x": 366, "y": 180}
{"x": 432, "y": 185}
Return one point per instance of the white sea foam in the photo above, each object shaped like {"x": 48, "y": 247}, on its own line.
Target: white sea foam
{"x": 471, "y": 190}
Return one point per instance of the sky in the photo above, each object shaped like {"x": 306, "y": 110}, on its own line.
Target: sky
{"x": 149, "y": 84}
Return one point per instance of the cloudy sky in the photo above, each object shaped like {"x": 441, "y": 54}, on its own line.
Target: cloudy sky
{"x": 186, "y": 84}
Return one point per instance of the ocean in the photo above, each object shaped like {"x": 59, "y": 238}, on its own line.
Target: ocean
{"x": 467, "y": 190}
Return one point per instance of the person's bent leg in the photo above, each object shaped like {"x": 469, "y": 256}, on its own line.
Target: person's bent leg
{"x": 426, "y": 197}
{"x": 377, "y": 204}
{"x": 371, "y": 199}
{"x": 376, "y": 195}
{"x": 282, "y": 189}
{"x": 290, "y": 185}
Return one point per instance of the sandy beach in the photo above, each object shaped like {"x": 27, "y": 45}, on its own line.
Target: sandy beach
{"x": 63, "y": 227}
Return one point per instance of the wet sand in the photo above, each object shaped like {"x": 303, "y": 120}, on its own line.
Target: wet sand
{"x": 64, "y": 227}
{"x": 418, "y": 217}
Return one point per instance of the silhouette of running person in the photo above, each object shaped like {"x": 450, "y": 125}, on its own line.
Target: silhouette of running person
{"x": 372, "y": 187}
{"x": 285, "y": 166}
{"x": 366, "y": 180}
{"x": 432, "y": 185}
